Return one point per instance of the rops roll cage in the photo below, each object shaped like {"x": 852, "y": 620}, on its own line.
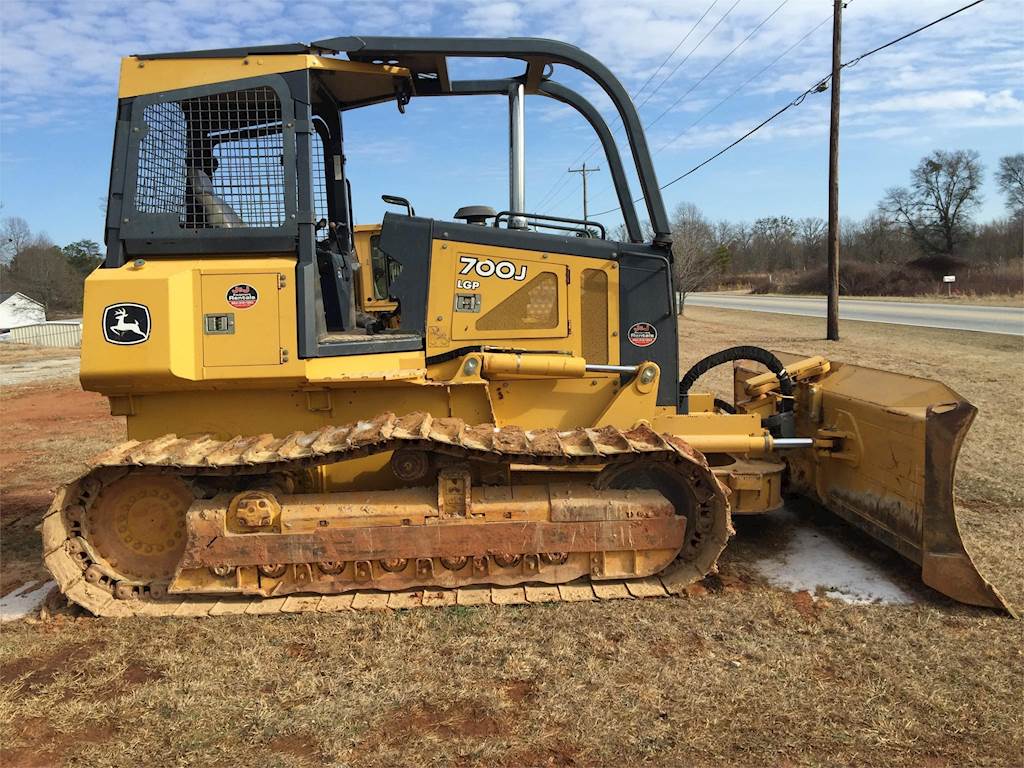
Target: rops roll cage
{"x": 426, "y": 60}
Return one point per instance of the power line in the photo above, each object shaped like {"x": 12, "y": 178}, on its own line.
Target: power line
{"x": 818, "y": 87}
{"x": 698, "y": 45}
{"x": 586, "y": 154}
{"x": 583, "y": 171}
{"x": 746, "y": 82}
{"x": 592, "y": 148}
{"x": 720, "y": 63}
{"x": 667, "y": 58}
{"x": 572, "y": 190}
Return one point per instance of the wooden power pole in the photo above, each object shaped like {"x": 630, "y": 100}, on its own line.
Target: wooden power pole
{"x": 584, "y": 171}
{"x": 832, "y": 331}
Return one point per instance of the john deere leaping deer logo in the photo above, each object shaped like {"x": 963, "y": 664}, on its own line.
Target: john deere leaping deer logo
{"x": 126, "y": 323}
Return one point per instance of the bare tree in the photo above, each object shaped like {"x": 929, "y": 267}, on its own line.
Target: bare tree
{"x": 877, "y": 239}
{"x": 41, "y": 272}
{"x": 811, "y": 232}
{"x": 936, "y": 209}
{"x": 1010, "y": 178}
{"x": 773, "y": 239}
{"x": 15, "y": 236}
{"x": 697, "y": 255}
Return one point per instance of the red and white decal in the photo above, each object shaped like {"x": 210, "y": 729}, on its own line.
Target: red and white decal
{"x": 642, "y": 334}
{"x": 242, "y": 296}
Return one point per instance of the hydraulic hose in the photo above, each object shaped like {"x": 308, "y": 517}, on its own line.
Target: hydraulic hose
{"x": 757, "y": 354}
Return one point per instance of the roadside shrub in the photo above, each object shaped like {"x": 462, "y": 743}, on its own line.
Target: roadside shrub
{"x": 859, "y": 279}
{"x": 938, "y": 265}
{"x": 754, "y": 282}
{"x": 764, "y": 284}
{"x": 991, "y": 281}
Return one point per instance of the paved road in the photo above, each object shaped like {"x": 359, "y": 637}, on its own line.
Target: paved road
{"x": 1008, "y": 320}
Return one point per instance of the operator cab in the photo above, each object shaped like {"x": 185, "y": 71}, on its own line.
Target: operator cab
{"x": 240, "y": 153}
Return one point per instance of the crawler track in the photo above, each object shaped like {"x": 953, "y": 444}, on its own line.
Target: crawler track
{"x": 95, "y": 585}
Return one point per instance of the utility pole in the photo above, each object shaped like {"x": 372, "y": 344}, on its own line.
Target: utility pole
{"x": 832, "y": 330}
{"x": 583, "y": 170}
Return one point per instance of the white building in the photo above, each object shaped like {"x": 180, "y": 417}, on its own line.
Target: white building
{"x": 17, "y": 309}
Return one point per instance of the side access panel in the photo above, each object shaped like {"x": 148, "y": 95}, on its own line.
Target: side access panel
{"x": 241, "y": 323}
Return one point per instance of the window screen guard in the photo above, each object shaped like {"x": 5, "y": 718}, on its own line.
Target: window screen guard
{"x": 213, "y": 162}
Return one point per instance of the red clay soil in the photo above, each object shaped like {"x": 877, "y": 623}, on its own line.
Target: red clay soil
{"x": 37, "y": 411}
{"x": 29, "y": 423}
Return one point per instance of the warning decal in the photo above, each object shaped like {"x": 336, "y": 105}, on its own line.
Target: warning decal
{"x": 642, "y": 335}
{"x": 242, "y": 296}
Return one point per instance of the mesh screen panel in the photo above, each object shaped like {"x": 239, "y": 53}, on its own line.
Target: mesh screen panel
{"x": 594, "y": 311}
{"x": 162, "y": 152}
{"x": 216, "y": 161}
{"x": 535, "y": 305}
{"x": 319, "y": 179}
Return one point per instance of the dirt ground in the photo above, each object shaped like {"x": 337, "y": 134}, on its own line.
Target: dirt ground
{"x": 739, "y": 673}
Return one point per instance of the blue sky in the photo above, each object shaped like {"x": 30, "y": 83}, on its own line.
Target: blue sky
{"x": 957, "y": 85}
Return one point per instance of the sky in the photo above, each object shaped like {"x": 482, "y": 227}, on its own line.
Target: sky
{"x": 702, "y": 73}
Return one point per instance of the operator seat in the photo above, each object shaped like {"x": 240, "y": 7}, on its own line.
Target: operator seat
{"x": 216, "y": 210}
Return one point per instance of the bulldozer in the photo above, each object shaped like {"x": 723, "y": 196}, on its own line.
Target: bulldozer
{"x": 323, "y": 415}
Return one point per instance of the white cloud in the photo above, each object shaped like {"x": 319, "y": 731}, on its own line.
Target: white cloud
{"x": 887, "y": 133}
{"x": 931, "y": 101}
{"x": 493, "y": 19}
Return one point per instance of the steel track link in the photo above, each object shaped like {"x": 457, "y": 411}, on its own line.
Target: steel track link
{"x": 68, "y": 560}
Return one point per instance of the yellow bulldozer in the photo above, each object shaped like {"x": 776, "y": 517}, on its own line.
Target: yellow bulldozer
{"x": 323, "y": 415}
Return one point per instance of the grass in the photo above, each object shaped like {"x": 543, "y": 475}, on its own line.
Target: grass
{"x": 744, "y": 675}
{"x": 16, "y": 353}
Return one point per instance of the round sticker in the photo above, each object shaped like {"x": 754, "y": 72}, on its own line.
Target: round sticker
{"x": 242, "y": 296}
{"x": 642, "y": 335}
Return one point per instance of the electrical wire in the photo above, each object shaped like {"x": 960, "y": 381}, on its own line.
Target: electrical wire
{"x": 707, "y": 74}
{"x": 818, "y": 87}
{"x": 589, "y": 151}
{"x": 698, "y": 45}
{"x": 667, "y": 58}
{"x": 721, "y": 61}
{"x": 746, "y": 82}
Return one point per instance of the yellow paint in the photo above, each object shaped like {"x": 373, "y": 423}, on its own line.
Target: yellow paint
{"x": 366, "y": 236}
{"x": 173, "y": 357}
{"x": 142, "y": 76}
{"x": 186, "y": 381}
{"x": 452, "y": 262}
{"x": 636, "y": 401}
{"x": 256, "y": 338}
{"x": 503, "y": 365}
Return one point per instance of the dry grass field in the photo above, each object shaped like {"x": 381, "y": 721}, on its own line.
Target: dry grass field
{"x": 739, "y": 674}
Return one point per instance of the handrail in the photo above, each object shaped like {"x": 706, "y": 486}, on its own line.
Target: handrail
{"x": 540, "y": 217}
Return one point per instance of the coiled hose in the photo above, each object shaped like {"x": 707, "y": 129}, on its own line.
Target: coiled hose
{"x": 757, "y": 354}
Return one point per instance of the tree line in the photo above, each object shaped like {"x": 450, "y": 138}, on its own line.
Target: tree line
{"x": 917, "y": 234}
{"x": 52, "y": 275}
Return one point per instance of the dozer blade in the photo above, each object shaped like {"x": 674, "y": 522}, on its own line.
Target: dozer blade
{"x": 888, "y": 445}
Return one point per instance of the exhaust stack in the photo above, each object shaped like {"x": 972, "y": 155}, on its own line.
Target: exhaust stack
{"x": 516, "y": 156}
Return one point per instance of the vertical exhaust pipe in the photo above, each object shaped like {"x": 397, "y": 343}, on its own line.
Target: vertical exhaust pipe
{"x": 516, "y": 156}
